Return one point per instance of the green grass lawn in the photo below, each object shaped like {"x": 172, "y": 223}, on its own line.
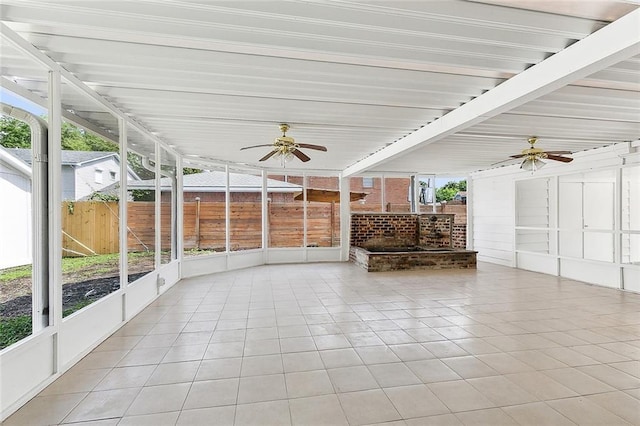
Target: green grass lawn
{"x": 14, "y": 329}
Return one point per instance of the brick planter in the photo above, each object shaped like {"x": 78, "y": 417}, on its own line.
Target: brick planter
{"x": 428, "y": 259}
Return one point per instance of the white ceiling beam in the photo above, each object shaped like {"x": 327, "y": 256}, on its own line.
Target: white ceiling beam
{"x": 29, "y": 49}
{"x": 66, "y": 115}
{"x": 617, "y": 41}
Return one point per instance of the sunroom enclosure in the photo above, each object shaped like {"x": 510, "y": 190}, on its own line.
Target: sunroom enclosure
{"x": 578, "y": 220}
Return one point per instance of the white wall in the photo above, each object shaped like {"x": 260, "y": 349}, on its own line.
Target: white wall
{"x": 15, "y": 217}
{"x": 493, "y": 218}
{"x": 68, "y": 183}
{"x": 85, "y": 181}
{"x": 565, "y": 219}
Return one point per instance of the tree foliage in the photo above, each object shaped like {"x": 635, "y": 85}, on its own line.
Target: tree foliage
{"x": 14, "y": 133}
{"x": 449, "y": 190}
{"x": 76, "y": 139}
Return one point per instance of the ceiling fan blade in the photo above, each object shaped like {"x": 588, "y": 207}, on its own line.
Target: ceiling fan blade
{"x": 517, "y": 156}
{"x": 311, "y": 146}
{"x": 301, "y": 155}
{"x": 559, "y": 158}
{"x": 256, "y": 146}
{"x": 558, "y": 152}
{"x": 269, "y": 155}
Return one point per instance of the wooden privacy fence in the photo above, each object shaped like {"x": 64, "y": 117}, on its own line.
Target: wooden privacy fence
{"x": 91, "y": 227}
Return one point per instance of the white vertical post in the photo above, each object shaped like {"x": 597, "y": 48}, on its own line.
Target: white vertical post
{"x": 554, "y": 220}
{"x": 173, "y": 177}
{"x": 265, "y": 217}
{"x": 179, "y": 211}
{"x": 157, "y": 205}
{"x": 55, "y": 214}
{"x": 345, "y": 218}
{"x": 122, "y": 213}
{"x": 469, "y": 212}
{"x": 305, "y": 184}
{"x": 617, "y": 225}
{"x": 227, "y": 212}
{"x": 415, "y": 201}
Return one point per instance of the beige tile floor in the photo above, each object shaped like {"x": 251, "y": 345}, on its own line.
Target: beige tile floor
{"x": 330, "y": 344}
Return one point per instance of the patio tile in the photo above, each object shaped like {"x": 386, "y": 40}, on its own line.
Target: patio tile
{"x": 322, "y": 410}
{"x": 159, "y": 399}
{"x": 460, "y": 396}
{"x": 103, "y": 405}
{"x": 415, "y": 401}
{"x": 262, "y": 388}
{"x": 367, "y": 407}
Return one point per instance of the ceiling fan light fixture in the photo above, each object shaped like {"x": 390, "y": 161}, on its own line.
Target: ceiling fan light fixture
{"x": 288, "y": 156}
{"x": 531, "y": 164}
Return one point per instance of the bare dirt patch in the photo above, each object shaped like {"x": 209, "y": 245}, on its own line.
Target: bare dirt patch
{"x": 79, "y": 287}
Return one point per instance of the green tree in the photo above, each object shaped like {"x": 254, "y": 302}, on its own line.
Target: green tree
{"x": 76, "y": 139}
{"x": 190, "y": 171}
{"x": 14, "y": 133}
{"x": 449, "y": 190}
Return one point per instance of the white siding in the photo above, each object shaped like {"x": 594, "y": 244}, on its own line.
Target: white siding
{"x": 570, "y": 220}
{"x": 15, "y": 217}
{"x": 68, "y": 183}
{"x": 493, "y": 219}
{"x": 85, "y": 176}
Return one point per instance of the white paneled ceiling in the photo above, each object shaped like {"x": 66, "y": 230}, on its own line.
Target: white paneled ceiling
{"x": 211, "y": 77}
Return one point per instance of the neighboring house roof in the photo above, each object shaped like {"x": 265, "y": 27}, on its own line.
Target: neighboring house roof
{"x": 461, "y": 194}
{"x": 210, "y": 181}
{"x": 8, "y": 158}
{"x": 69, "y": 158}
{"x": 214, "y": 181}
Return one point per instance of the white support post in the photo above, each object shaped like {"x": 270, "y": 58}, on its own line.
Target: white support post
{"x": 179, "y": 212}
{"x": 122, "y": 212}
{"x": 305, "y": 184}
{"x": 157, "y": 205}
{"x": 265, "y": 217}
{"x": 345, "y": 218}
{"x": 554, "y": 204}
{"x": 174, "y": 209}
{"x": 54, "y": 156}
{"x": 617, "y": 225}
{"x": 415, "y": 199}
{"x": 469, "y": 212}
{"x": 227, "y": 211}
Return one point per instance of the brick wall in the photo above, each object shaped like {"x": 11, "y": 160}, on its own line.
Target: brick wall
{"x": 383, "y": 230}
{"x": 435, "y": 230}
{"x": 398, "y": 230}
{"x": 396, "y": 194}
{"x": 459, "y": 235}
{"x": 378, "y": 262}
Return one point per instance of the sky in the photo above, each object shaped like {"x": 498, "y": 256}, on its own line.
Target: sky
{"x": 18, "y": 101}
